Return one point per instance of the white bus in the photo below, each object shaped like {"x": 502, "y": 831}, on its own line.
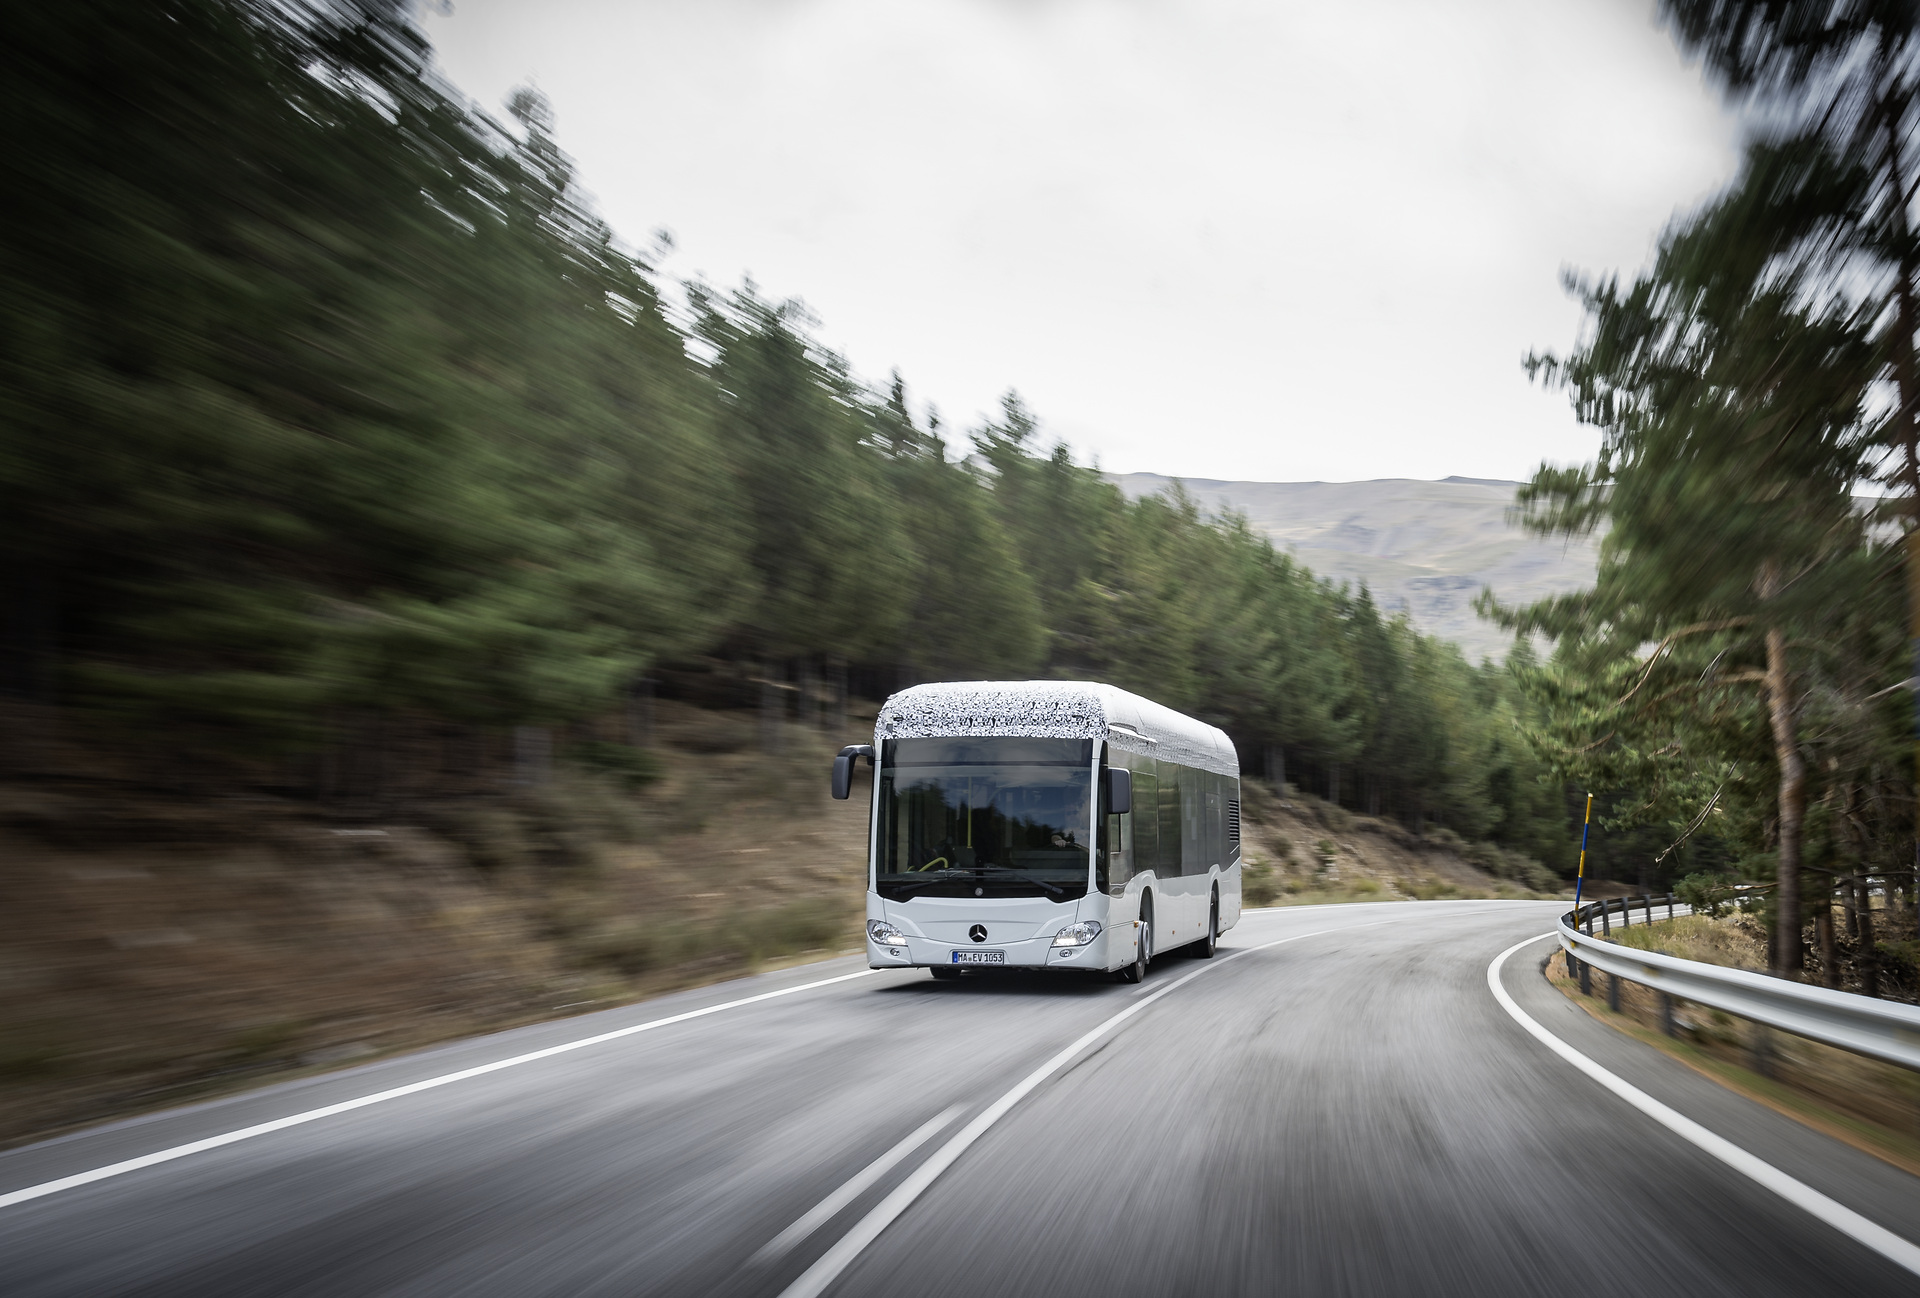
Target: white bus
{"x": 1045, "y": 824}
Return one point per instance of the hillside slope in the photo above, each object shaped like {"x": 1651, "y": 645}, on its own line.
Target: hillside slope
{"x": 1426, "y": 546}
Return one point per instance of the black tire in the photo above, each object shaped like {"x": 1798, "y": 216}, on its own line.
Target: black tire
{"x": 1143, "y": 948}
{"x": 945, "y": 973}
{"x": 1211, "y": 942}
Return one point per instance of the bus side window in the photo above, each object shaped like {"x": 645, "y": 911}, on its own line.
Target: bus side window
{"x": 1172, "y": 839}
{"x": 1216, "y": 821}
{"x": 1146, "y": 822}
{"x": 1193, "y": 839}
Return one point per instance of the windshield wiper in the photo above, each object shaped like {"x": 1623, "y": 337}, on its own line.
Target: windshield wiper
{"x": 1007, "y": 872}
{"x": 921, "y": 878}
{"x": 977, "y": 872}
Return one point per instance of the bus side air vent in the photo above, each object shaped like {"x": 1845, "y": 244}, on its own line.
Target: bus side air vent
{"x": 1233, "y": 820}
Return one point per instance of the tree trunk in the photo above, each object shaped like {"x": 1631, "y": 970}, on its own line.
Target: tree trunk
{"x": 1869, "y": 960}
{"x": 1823, "y": 926}
{"x": 640, "y": 714}
{"x": 773, "y": 709}
{"x": 1861, "y": 885}
{"x": 811, "y": 713}
{"x": 1787, "y": 959}
{"x": 532, "y": 754}
{"x": 1906, "y": 427}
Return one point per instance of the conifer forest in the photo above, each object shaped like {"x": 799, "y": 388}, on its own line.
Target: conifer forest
{"x": 348, "y": 457}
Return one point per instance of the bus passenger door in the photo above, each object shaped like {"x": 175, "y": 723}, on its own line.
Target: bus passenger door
{"x": 1183, "y": 820}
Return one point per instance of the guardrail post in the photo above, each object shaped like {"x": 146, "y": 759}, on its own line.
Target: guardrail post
{"x": 1606, "y": 923}
{"x": 1669, "y": 905}
{"x": 1666, "y": 1015}
{"x": 1648, "y": 900}
{"x": 1586, "y": 979}
{"x": 1586, "y": 914}
{"x": 1626, "y": 913}
{"x": 1613, "y": 992}
{"x": 1760, "y": 1047}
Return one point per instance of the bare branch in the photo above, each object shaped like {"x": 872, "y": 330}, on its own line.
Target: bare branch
{"x": 1698, "y": 628}
{"x": 1698, "y": 821}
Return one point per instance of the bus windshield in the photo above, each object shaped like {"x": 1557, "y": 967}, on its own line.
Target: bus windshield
{"x": 995, "y": 817}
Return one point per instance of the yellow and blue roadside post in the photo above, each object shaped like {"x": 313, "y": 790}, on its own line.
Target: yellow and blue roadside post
{"x": 1579, "y": 882}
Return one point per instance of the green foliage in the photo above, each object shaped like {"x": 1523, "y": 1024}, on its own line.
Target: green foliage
{"x": 1707, "y": 894}
{"x": 633, "y": 767}
{"x": 330, "y": 411}
{"x": 1733, "y": 678}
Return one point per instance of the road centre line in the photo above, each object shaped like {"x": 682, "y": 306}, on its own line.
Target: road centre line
{"x": 814, "y": 1280}
{"x": 1894, "y": 1248}
{"x": 830, "y": 1207}
{"x": 78, "y": 1179}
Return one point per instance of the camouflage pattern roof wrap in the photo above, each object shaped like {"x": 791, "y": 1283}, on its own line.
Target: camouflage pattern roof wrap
{"x": 1056, "y": 709}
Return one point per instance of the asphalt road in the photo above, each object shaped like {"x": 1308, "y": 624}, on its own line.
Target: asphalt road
{"x": 1346, "y": 1112}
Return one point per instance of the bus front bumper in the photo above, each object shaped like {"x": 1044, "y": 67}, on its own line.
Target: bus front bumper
{"x": 1033, "y": 953}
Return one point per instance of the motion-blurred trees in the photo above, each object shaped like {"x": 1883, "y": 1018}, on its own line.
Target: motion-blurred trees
{"x": 1737, "y": 663}
{"x": 323, "y": 396}
{"x": 330, "y": 409}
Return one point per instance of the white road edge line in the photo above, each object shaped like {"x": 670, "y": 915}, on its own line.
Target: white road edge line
{"x": 815, "y": 1279}
{"x": 78, "y": 1179}
{"x": 1895, "y": 1249}
{"x": 830, "y": 1207}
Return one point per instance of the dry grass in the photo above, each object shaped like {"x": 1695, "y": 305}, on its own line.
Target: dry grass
{"x": 1738, "y": 942}
{"x": 1300, "y": 850}
{"x": 278, "y": 944}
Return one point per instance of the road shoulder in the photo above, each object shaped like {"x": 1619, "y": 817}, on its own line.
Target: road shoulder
{"x": 1866, "y": 1184}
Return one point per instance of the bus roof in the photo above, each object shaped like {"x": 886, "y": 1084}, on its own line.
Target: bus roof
{"x": 1056, "y": 709}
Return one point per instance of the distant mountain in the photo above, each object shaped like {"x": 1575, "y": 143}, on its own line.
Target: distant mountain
{"x": 1427, "y": 547}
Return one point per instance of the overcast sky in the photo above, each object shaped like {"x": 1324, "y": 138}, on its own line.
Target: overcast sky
{"x": 1209, "y": 238}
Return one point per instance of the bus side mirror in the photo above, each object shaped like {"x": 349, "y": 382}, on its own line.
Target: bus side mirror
{"x": 1119, "y": 791}
{"x": 843, "y": 768}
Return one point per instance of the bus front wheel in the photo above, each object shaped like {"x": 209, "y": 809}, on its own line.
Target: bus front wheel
{"x": 1143, "y": 948}
{"x": 943, "y": 971}
{"x": 1211, "y": 943}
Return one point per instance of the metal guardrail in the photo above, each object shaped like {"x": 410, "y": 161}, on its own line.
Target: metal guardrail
{"x": 1882, "y": 1029}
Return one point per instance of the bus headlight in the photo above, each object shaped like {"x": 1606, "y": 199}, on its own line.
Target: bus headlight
{"x": 1078, "y": 934}
{"x": 885, "y": 934}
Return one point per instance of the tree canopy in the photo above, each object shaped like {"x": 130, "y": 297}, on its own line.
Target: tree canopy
{"x": 330, "y": 405}
{"x": 1736, "y": 673}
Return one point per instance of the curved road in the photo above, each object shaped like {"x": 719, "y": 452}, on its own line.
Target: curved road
{"x": 1344, "y": 1110}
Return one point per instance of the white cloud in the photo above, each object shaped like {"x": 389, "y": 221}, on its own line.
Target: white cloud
{"x": 1214, "y": 239}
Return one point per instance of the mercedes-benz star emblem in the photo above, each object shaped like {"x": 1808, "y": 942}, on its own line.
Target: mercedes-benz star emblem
{"x": 978, "y": 932}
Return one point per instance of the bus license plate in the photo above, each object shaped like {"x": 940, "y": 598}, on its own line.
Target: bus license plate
{"x": 979, "y": 957}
